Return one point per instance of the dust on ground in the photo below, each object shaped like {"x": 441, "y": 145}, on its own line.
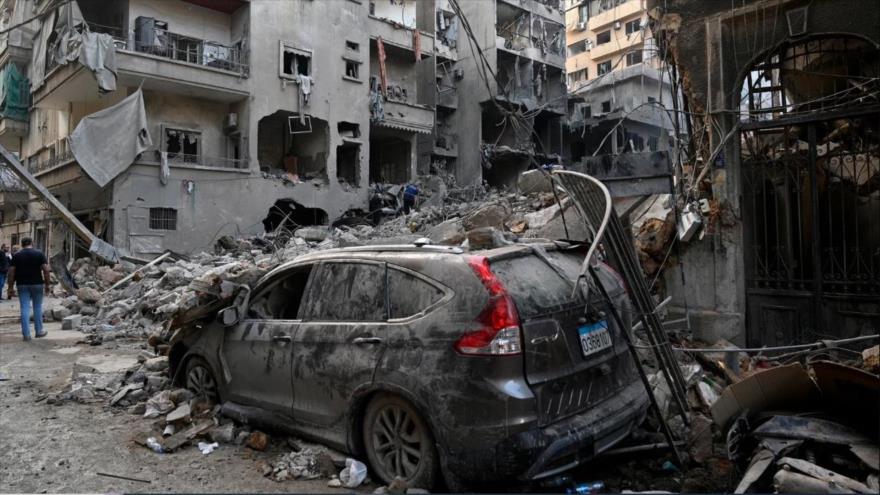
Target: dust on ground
{"x": 60, "y": 448}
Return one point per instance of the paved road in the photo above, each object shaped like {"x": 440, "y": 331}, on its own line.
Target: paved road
{"x": 60, "y": 448}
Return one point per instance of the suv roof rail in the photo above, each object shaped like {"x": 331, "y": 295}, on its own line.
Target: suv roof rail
{"x": 397, "y": 248}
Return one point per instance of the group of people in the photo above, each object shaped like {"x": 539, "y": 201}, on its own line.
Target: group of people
{"x": 26, "y": 270}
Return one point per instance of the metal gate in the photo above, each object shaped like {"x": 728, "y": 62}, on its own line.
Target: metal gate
{"x": 811, "y": 222}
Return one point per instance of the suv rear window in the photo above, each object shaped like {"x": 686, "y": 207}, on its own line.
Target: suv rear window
{"x": 535, "y": 286}
{"x": 409, "y": 295}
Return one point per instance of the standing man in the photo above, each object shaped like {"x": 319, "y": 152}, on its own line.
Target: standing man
{"x": 5, "y": 260}
{"x": 30, "y": 272}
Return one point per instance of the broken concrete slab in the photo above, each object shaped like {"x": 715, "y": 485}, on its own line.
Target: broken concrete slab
{"x": 156, "y": 364}
{"x": 451, "y": 232}
{"x": 311, "y": 234}
{"x": 72, "y": 322}
{"x": 104, "y": 364}
{"x": 534, "y": 181}
{"x": 492, "y": 215}
{"x": 88, "y": 295}
{"x": 181, "y": 413}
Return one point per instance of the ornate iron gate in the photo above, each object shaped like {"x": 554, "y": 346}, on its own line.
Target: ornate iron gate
{"x": 811, "y": 221}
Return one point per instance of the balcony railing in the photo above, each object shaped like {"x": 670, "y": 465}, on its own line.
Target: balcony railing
{"x": 39, "y": 163}
{"x": 154, "y": 157}
{"x": 174, "y": 46}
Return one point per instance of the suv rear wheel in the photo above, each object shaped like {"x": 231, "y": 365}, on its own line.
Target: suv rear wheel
{"x": 399, "y": 443}
{"x": 200, "y": 379}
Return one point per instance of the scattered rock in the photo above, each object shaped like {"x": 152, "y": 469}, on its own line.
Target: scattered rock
{"x": 72, "y": 322}
{"x": 450, "y": 232}
{"x": 534, "y": 181}
{"x": 156, "y": 364}
{"x": 181, "y": 413}
{"x": 223, "y": 433}
{"x": 492, "y": 215}
{"x": 257, "y": 441}
{"x": 311, "y": 234}
{"x": 88, "y": 295}
{"x": 398, "y": 486}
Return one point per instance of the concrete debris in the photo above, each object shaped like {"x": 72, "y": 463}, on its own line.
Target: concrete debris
{"x": 257, "y": 440}
{"x": 182, "y": 413}
{"x": 72, "y": 322}
{"x": 296, "y": 465}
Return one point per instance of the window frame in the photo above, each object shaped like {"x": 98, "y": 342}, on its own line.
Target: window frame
{"x": 270, "y": 284}
{"x": 165, "y": 209}
{"x": 163, "y": 128}
{"x": 603, "y": 33}
{"x": 284, "y": 47}
{"x": 600, "y": 65}
{"x": 309, "y": 296}
{"x": 448, "y": 294}
{"x": 632, "y": 55}
{"x": 628, "y": 24}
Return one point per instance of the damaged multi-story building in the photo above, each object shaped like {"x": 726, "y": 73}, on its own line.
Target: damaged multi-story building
{"x": 505, "y": 96}
{"x": 619, "y": 88}
{"x": 258, "y": 112}
{"x": 784, "y": 97}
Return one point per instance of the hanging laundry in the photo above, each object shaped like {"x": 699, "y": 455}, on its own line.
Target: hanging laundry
{"x": 417, "y": 44}
{"x": 383, "y": 74}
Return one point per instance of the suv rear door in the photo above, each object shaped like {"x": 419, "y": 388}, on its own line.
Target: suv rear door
{"x": 566, "y": 374}
{"x": 339, "y": 343}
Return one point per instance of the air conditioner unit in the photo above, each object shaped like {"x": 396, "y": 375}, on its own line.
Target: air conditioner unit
{"x": 581, "y": 26}
{"x": 588, "y": 45}
{"x": 617, "y": 25}
{"x": 231, "y": 122}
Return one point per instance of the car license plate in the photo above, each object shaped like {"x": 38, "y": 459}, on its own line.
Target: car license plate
{"x": 594, "y": 338}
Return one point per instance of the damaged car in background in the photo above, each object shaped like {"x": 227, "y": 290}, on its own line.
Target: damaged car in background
{"x": 432, "y": 363}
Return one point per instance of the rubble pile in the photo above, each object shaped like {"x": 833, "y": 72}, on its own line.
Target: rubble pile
{"x": 795, "y": 422}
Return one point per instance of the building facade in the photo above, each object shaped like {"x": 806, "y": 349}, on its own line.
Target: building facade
{"x": 510, "y": 88}
{"x": 783, "y": 96}
{"x": 263, "y": 110}
{"x": 614, "y": 73}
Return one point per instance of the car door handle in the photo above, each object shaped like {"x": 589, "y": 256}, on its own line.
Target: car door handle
{"x": 282, "y": 338}
{"x": 366, "y": 340}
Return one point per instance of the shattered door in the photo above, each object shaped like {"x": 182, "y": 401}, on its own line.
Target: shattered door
{"x": 811, "y": 221}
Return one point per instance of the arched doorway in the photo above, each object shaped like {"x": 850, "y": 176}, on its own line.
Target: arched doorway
{"x": 810, "y": 158}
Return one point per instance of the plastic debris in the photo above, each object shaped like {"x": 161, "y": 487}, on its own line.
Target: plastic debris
{"x": 353, "y": 474}
{"x": 207, "y": 448}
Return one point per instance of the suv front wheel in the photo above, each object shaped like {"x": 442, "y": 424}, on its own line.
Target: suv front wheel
{"x": 200, "y": 379}
{"x": 398, "y": 442}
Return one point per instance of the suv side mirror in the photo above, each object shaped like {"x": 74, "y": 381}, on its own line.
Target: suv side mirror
{"x": 229, "y": 316}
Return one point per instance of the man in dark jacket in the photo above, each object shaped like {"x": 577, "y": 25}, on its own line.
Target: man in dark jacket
{"x": 5, "y": 260}
{"x": 30, "y": 273}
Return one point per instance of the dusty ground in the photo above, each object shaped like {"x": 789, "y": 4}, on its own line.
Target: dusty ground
{"x": 61, "y": 448}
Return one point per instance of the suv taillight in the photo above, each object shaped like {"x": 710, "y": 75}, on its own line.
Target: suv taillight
{"x": 499, "y": 334}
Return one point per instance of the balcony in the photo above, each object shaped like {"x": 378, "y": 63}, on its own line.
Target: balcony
{"x": 407, "y": 117}
{"x": 14, "y": 117}
{"x": 621, "y": 10}
{"x": 553, "y": 9}
{"x": 400, "y": 36}
{"x": 528, "y": 35}
{"x": 171, "y": 63}
{"x": 154, "y": 157}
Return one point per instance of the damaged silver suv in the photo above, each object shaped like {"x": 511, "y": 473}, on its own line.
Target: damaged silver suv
{"x": 431, "y": 363}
